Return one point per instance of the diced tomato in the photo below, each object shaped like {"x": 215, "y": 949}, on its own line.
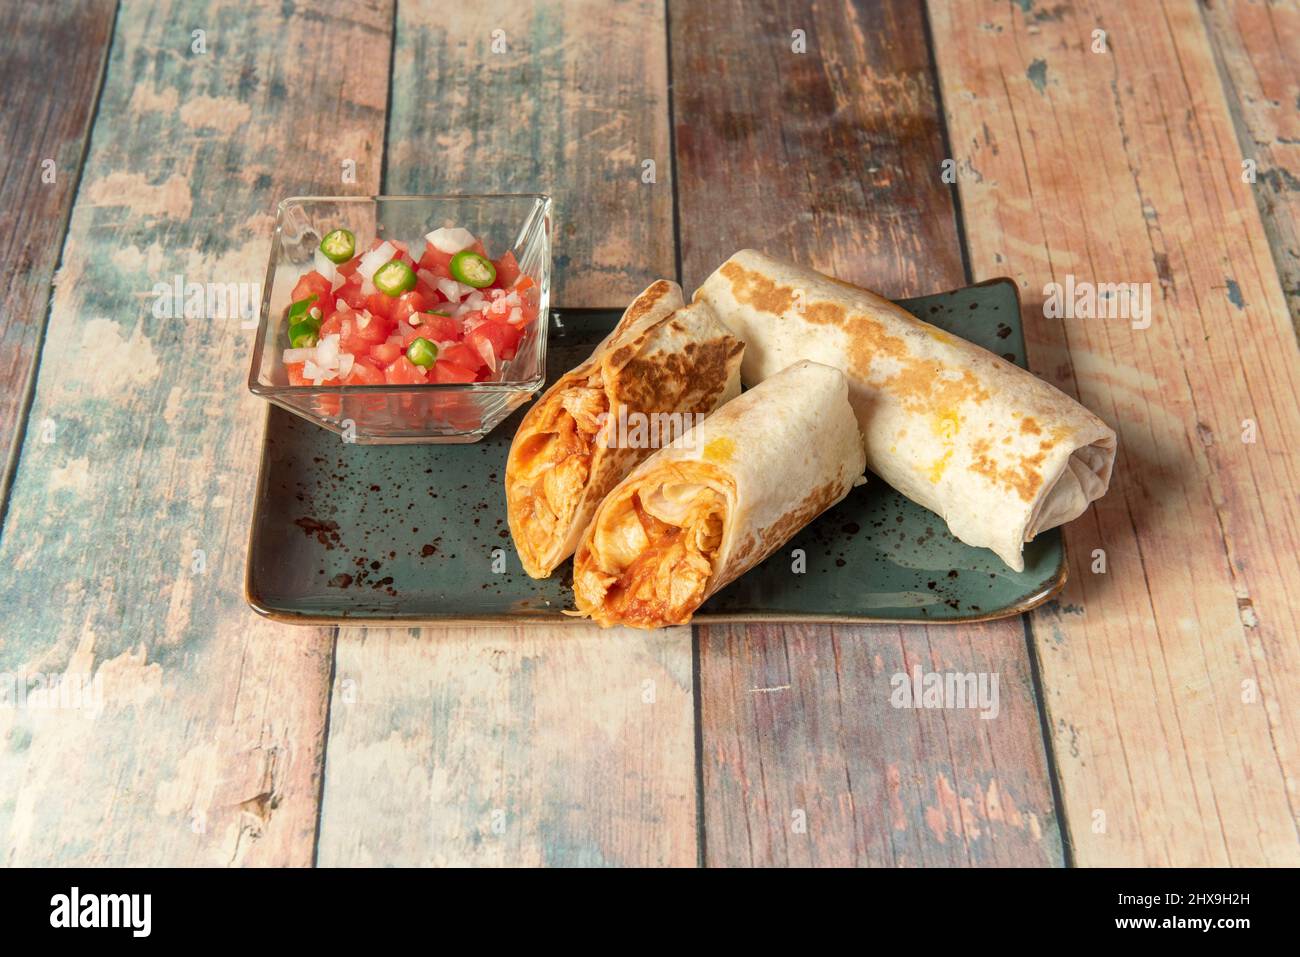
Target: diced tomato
{"x": 331, "y": 325}
{"x": 507, "y": 271}
{"x": 311, "y": 284}
{"x": 408, "y": 303}
{"x": 445, "y": 371}
{"x": 441, "y": 328}
{"x": 350, "y": 292}
{"x": 502, "y": 337}
{"x": 377, "y": 330}
{"x": 365, "y": 373}
{"x": 403, "y": 371}
{"x": 350, "y": 339}
{"x": 348, "y": 268}
{"x": 327, "y": 306}
{"x": 294, "y": 371}
{"x": 438, "y": 263}
{"x": 462, "y": 355}
{"x": 381, "y": 304}
{"x": 386, "y": 353}
{"x": 427, "y": 292}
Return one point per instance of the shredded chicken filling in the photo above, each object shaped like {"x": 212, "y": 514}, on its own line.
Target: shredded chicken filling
{"x": 554, "y": 464}
{"x": 658, "y": 556}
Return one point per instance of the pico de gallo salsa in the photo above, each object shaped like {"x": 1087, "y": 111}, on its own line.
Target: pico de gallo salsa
{"x": 382, "y": 317}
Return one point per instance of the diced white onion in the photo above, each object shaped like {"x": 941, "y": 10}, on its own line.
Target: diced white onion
{"x": 426, "y": 277}
{"x": 453, "y": 290}
{"x": 516, "y": 316}
{"x": 450, "y": 241}
{"x": 484, "y": 347}
{"x": 368, "y": 288}
{"x": 326, "y": 268}
{"x": 372, "y": 260}
{"x": 327, "y": 352}
{"x": 345, "y": 364}
{"x": 364, "y": 318}
{"x": 299, "y": 355}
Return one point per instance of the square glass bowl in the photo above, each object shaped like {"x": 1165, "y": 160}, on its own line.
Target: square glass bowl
{"x": 404, "y": 414}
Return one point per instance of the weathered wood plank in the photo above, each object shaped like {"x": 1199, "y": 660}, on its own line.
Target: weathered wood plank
{"x": 542, "y": 732}
{"x": 42, "y": 139}
{"x": 574, "y": 105}
{"x": 510, "y": 747}
{"x": 1257, "y": 49}
{"x": 1171, "y": 679}
{"x": 124, "y": 545}
{"x": 833, "y": 157}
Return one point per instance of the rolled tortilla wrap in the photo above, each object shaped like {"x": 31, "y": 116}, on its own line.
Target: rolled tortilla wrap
{"x": 998, "y": 453}
{"x": 575, "y": 443}
{"x": 701, "y": 512}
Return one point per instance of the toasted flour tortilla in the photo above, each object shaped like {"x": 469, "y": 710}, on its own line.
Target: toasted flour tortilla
{"x": 998, "y": 453}
{"x": 701, "y": 512}
{"x": 663, "y": 357}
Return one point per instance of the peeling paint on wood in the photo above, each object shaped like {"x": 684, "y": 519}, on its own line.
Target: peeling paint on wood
{"x": 124, "y": 544}
{"x": 834, "y": 157}
{"x": 1257, "y": 50}
{"x": 573, "y": 104}
{"x": 540, "y": 732}
{"x": 1173, "y": 719}
{"x": 510, "y": 747}
{"x": 41, "y": 144}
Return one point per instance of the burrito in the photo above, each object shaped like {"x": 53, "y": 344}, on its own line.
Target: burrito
{"x": 702, "y": 511}
{"x": 663, "y": 366}
{"x": 999, "y": 454}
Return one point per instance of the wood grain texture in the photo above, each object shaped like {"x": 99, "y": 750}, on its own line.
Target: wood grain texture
{"x": 543, "y": 725}
{"x": 1257, "y": 48}
{"x": 42, "y": 138}
{"x": 1172, "y": 678}
{"x": 510, "y": 747}
{"x": 832, "y": 157}
{"x": 124, "y": 546}
{"x": 573, "y": 105}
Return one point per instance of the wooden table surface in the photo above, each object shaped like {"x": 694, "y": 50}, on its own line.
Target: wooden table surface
{"x": 1149, "y": 716}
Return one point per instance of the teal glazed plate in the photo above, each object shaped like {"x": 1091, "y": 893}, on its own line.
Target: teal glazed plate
{"x": 411, "y": 534}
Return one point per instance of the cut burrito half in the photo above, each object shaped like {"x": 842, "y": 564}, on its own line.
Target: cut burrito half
{"x": 664, "y": 364}
{"x": 701, "y": 512}
{"x": 998, "y": 453}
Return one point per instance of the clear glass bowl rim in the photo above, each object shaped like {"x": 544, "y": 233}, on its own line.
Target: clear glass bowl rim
{"x": 264, "y": 318}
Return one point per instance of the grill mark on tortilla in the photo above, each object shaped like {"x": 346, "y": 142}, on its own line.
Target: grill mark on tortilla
{"x": 1020, "y": 476}
{"x": 919, "y": 384}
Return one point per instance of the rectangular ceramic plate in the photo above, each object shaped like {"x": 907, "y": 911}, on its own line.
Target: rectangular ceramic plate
{"x": 417, "y": 533}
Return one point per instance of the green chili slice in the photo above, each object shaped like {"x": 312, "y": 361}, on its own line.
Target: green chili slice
{"x": 422, "y": 352}
{"x": 473, "y": 269}
{"x": 394, "y": 278}
{"x": 303, "y": 335}
{"x": 299, "y": 308}
{"x": 339, "y": 245}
